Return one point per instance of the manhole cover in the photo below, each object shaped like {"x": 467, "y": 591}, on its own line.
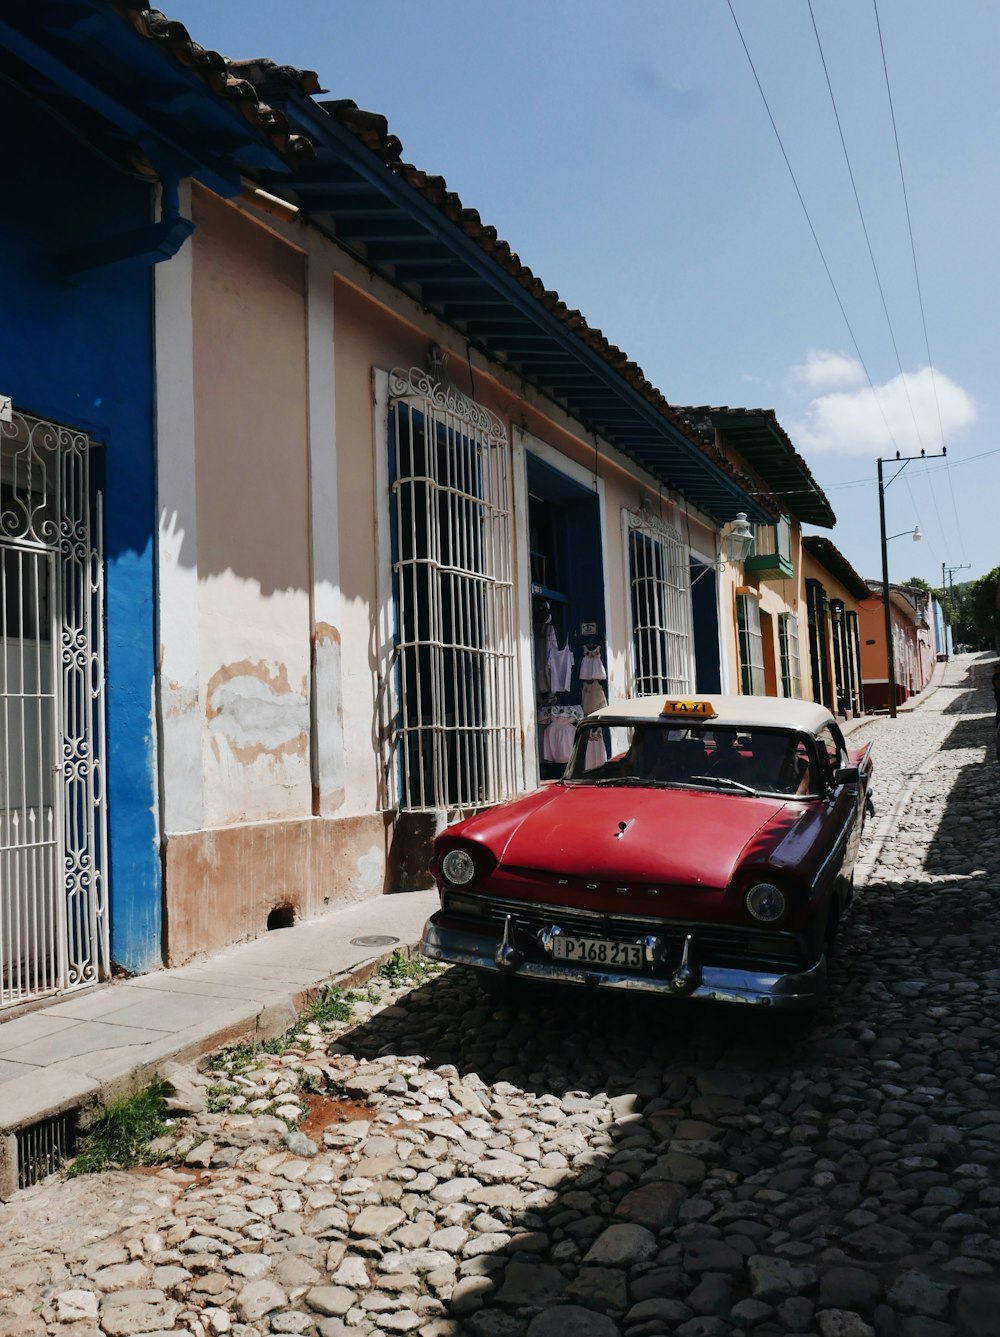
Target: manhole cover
{"x": 374, "y": 940}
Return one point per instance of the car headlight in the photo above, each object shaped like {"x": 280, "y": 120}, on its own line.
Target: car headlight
{"x": 463, "y": 905}
{"x": 766, "y": 902}
{"x": 458, "y": 868}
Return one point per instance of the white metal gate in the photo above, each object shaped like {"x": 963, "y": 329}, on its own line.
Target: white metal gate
{"x": 53, "y": 841}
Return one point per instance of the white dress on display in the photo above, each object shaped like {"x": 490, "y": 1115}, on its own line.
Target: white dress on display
{"x": 557, "y": 742}
{"x": 597, "y": 753}
{"x": 560, "y": 664}
{"x": 592, "y": 696}
{"x": 592, "y": 667}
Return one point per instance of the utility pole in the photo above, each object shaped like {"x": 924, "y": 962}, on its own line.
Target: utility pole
{"x": 890, "y": 653}
{"x": 947, "y": 613}
{"x": 950, "y": 601}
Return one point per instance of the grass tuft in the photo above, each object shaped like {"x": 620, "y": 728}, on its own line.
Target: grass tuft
{"x": 403, "y": 969}
{"x": 331, "y": 1005}
{"x": 120, "y": 1138}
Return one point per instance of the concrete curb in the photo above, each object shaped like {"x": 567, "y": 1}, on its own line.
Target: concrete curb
{"x": 884, "y": 825}
{"x": 56, "y": 1094}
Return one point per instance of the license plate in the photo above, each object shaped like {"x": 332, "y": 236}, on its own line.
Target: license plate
{"x": 597, "y": 952}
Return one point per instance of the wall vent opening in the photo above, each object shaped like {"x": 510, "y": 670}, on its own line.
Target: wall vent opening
{"x": 282, "y": 916}
{"x": 42, "y": 1148}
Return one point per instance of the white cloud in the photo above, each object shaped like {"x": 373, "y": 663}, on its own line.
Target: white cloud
{"x": 824, "y": 369}
{"x": 858, "y": 422}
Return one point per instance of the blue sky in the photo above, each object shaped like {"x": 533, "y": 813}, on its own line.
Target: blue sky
{"x": 626, "y": 154}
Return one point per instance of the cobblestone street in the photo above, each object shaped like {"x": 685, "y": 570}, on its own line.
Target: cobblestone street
{"x": 583, "y": 1166}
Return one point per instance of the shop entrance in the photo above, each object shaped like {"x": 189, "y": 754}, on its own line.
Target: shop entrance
{"x": 567, "y": 610}
{"x": 705, "y": 619}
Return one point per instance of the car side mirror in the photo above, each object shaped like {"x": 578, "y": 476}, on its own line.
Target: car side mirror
{"x": 847, "y": 775}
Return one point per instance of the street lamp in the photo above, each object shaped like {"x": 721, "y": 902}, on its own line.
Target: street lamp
{"x": 738, "y": 543}
{"x": 913, "y": 533}
{"x": 903, "y": 461}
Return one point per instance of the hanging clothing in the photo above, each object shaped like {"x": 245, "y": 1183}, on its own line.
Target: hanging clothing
{"x": 591, "y": 666}
{"x": 597, "y": 753}
{"x": 592, "y": 696}
{"x": 560, "y": 664}
{"x": 557, "y": 742}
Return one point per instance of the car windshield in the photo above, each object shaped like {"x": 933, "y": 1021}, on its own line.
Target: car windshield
{"x": 658, "y": 753}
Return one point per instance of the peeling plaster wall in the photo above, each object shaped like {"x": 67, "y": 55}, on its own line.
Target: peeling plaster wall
{"x": 284, "y": 817}
{"x": 366, "y": 336}
{"x": 231, "y": 878}
{"x": 236, "y": 596}
{"x": 249, "y": 315}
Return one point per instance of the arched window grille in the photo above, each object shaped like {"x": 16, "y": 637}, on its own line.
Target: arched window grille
{"x": 455, "y": 730}
{"x": 660, "y": 589}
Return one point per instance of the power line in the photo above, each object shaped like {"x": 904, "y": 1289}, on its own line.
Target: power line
{"x": 875, "y": 271}
{"x": 909, "y": 221}
{"x": 812, "y": 229}
{"x": 864, "y": 225}
{"x": 916, "y": 269}
{"x": 941, "y": 468}
{"x": 829, "y": 274}
{"x": 866, "y": 482}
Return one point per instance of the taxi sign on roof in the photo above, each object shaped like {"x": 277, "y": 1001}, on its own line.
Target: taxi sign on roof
{"x": 701, "y": 709}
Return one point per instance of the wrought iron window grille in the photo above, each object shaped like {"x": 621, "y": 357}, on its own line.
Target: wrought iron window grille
{"x": 751, "y": 646}
{"x": 660, "y": 594}
{"x": 455, "y": 730}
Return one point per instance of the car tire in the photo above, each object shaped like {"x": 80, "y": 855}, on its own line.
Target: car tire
{"x": 849, "y": 899}
{"x": 832, "y": 925}
{"x": 500, "y": 988}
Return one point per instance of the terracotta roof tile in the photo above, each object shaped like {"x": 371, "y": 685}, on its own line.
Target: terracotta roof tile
{"x": 217, "y": 73}
{"x": 373, "y": 131}
{"x": 703, "y": 419}
{"x": 827, "y": 555}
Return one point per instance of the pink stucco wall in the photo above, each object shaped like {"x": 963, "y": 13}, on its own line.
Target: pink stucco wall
{"x": 252, "y": 489}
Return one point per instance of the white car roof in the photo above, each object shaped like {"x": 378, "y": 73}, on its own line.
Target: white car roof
{"x": 776, "y": 711}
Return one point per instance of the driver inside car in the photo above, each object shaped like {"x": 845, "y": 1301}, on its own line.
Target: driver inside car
{"x": 726, "y": 759}
{"x": 663, "y": 755}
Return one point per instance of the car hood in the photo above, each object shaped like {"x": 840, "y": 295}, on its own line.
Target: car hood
{"x": 676, "y": 836}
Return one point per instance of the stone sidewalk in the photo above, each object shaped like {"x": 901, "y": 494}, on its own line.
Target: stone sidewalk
{"x": 95, "y": 1044}
{"x": 90, "y": 1046}
{"x": 576, "y": 1166}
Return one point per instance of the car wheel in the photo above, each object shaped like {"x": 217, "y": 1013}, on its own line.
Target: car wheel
{"x": 832, "y": 925}
{"x": 501, "y": 988}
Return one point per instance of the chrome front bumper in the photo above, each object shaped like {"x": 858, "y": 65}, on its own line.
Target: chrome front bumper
{"x": 689, "y": 979}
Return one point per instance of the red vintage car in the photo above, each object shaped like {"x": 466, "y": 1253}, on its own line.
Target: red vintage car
{"x": 712, "y": 857}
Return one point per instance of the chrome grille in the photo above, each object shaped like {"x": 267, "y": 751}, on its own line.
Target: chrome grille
{"x": 714, "y": 944}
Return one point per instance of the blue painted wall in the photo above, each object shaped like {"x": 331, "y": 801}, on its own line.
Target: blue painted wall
{"x": 83, "y": 355}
